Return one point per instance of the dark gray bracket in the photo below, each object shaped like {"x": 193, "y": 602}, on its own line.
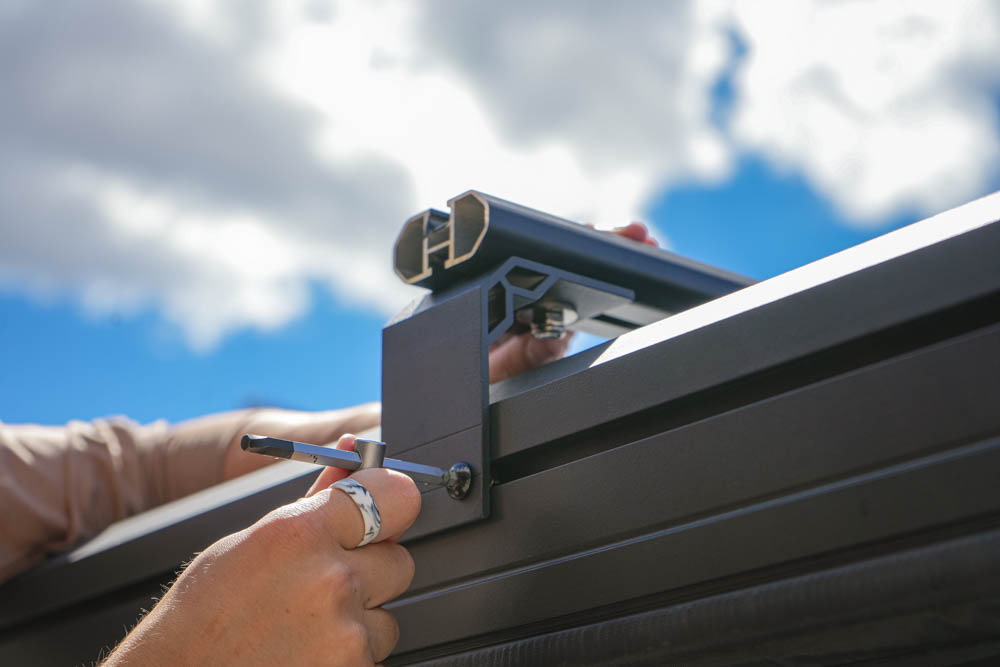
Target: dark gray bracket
{"x": 486, "y": 263}
{"x": 435, "y": 374}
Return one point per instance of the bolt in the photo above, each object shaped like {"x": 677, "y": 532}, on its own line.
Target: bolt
{"x": 458, "y": 480}
{"x": 548, "y": 319}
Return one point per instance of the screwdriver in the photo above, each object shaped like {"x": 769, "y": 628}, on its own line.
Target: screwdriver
{"x": 367, "y": 454}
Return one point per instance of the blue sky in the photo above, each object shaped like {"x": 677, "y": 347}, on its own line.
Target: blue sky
{"x": 60, "y": 364}
{"x": 221, "y": 239}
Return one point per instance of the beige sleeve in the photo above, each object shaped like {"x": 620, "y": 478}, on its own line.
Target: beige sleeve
{"x": 60, "y": 485}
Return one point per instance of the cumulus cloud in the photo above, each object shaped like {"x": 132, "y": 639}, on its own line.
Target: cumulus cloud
{"x": 885, "y": 107}
{"x": 144, "y": 165}
{"x": 213, "y": 160}
{"x": 620, "y": 88}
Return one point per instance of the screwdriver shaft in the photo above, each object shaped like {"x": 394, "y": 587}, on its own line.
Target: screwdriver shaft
{"x": 337, "y": 458}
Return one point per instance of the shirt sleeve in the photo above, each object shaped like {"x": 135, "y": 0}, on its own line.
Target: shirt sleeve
{"x": 60, "y": 485}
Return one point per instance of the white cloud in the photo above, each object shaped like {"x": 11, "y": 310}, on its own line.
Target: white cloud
{"x": 212, "y": 160}
{"x": 144, "y": 167}
{"x": 583, "y": 108}
{"x": 886, "y": 107}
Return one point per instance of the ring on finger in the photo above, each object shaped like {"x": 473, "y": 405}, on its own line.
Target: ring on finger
{"x": 366, "y": 504}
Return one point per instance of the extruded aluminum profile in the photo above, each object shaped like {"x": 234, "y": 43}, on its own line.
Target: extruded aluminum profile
{"x": 437, "y": 250}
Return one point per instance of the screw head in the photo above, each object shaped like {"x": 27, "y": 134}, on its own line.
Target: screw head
{"x": 459, "y": 480}
{"x": 548, "y": 319}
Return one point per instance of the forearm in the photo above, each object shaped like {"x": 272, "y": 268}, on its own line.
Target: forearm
{"x": 63, "y": 484}
{"x": 59, "y": 485}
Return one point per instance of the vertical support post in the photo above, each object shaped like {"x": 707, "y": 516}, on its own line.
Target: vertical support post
{"x": 435, "y": 399}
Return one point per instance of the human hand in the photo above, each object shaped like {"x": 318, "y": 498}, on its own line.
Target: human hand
{"x": 291, "y": 589}
{"x": 517, "y": 351}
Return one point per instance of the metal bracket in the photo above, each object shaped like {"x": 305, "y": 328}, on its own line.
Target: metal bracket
{"x": 491, "y": 265}
{"x": 435, "y": 372}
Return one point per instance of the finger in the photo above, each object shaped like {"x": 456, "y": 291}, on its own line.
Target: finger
{"x": 383, "y": 632}
{"x": 329, "y": 475}
{"x": 395, "y": 495}
{"x": 634, "y": 230}
{"x": 501, "y": 341}
{"x": 522, "y": 353}
{"x": 516, "y": 329}
{"x": 651, "y": 241}
{"x": 384, "y": 571}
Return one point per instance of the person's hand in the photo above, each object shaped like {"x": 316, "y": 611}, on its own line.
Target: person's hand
{"x": 517, "y": 351}
{"x": 291, "y": 589}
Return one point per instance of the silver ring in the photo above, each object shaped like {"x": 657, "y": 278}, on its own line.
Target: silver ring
{"x": 369, "y": 510}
